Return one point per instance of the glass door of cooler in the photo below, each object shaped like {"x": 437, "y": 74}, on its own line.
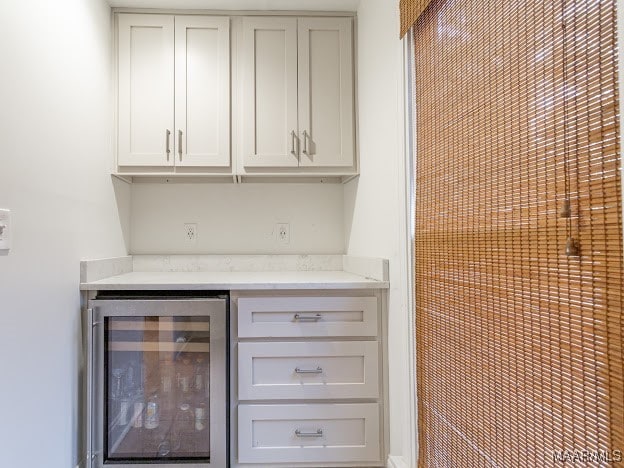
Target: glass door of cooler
{"x": 159, "y": 383}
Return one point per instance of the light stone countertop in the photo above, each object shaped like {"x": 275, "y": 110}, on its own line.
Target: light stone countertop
{"x": 198, "y": 273}
{"x": 235, "y": 280}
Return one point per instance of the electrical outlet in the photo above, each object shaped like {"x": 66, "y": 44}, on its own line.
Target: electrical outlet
{"x": 283, "y": 233}
{"x": 5, "y": 230}
{"x": 190, "y": 233}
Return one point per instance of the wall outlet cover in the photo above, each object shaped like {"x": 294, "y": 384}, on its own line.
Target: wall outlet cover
{"x": 190, "y": 233}
{"x": 5, "y": 229}
{"x": 283, "y": 233}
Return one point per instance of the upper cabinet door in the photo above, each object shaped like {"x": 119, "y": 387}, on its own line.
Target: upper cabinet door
{"x": 326, "y": 121}
{"x": 202, "y": 91}
{"x": 146, "y": 64}
{"x": 270, "y": 92}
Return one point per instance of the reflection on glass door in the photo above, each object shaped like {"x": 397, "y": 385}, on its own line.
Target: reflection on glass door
{"x": 157, "y": 401}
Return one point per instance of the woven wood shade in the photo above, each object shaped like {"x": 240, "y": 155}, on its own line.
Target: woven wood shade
{"x": 520, "y": 346}
{"x": 410, "y": 11}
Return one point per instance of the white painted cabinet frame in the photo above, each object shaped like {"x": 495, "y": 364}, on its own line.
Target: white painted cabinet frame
{"x": 298, "y": 93}
{"x": 146, "y": 89}
{"x": 174, "y": 91}
{"x": 202, "y": 91}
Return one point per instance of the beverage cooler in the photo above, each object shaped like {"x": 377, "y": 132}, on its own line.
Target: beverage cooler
{"x": 157, "y": 383}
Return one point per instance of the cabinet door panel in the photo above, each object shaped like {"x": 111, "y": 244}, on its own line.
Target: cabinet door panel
{"x": 270, "y": 91}
{"x": 202, "y": 91}
{"x": 326, "y": 92}
{"x": 146, "y": 61}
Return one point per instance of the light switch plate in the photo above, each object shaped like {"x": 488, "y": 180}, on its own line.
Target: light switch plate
{"x": 5, "y": 229}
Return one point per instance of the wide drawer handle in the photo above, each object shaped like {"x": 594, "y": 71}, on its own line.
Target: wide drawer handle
{"x": 308, "y": 318}
{"x": 318, "y": 433}
{"x": 318, "y": 370}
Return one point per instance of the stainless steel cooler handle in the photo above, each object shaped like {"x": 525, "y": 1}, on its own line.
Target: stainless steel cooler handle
{"x": 90, "y": 366}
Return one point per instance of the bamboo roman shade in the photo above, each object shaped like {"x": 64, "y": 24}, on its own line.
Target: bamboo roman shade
{"x": 518, "y": 234}
{"x": 410, "y": 11}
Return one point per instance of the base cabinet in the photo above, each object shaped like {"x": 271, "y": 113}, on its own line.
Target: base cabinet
{"x": 307, "y": 386}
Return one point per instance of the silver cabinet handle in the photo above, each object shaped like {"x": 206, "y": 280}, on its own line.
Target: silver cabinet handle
{"x": 168, "y": 147}
{"x": 293, "y": 151}
{"x": 180, "y": 144}
{"x": 308, "y": 318}
{"x": 305, "y": 142}
{"x": 300, "y": 433}
{"x": 318, "y": 370}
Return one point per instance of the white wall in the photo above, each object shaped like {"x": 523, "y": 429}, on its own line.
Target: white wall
{"x": 237, "y": 218}
{"x": 375, "y": 210}
{"x": 54, "y": 176}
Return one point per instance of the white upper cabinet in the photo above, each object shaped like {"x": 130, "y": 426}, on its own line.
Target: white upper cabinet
{"x": 326, "y": 98}
{"x": 298, "y": 99}
{"x": 269, "y": 58}
{"x": 289, "y": 81}
{"x": 174, "y": 91}
{"x": 202, "y": 91}
{"x": 145, "y": 90}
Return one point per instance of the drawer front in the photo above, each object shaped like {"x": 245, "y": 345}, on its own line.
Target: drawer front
{"x": 282, "y": 371}
{"x": 306, "y": 316}
{"x": 308, "y": 433}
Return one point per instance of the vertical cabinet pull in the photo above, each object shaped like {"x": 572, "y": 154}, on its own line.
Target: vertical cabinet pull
{"x": 180, "y": 144}
{"x": 305, "y": 142}
{"x": 293, "y": 150}
{"x": 168, "y": 135}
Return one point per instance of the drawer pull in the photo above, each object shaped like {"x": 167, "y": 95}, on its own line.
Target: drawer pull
{"x": 318, "y": 370}
{"x": 308, "y": 318}
{"x": 318, "y": 433}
